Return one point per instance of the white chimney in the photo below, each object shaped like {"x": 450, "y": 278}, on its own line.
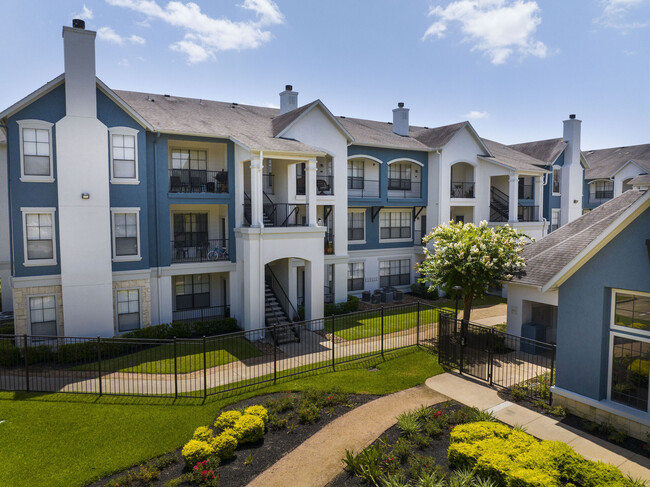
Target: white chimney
{"x": 401, "y": 120}
{"x": 288, "y": 99}
{"x": 79, "y": 57}
{"x": 572, "y": 173}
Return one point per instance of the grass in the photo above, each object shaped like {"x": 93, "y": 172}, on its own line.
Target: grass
{"x": 70, "y": 440}
{"x": 189, "y": 357}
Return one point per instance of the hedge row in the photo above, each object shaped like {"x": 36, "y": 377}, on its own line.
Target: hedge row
{"x": 512, "y": 458}
{"x": 349, "y": 306}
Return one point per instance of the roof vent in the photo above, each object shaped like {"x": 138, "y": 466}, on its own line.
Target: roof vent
{"x": 166, "y": 96}
{"x": 400, "y": 104}
{"x": 78, "y": 24}
{"x": 572, "y": 116}
{"x": 288, "y": 87}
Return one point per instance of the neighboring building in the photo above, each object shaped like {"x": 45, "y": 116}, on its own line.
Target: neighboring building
{"x": 6, "y": 304}
{"x": 587, "y": 288}
{"x": 126, "y": 209}
{"x": 612, "y": 171}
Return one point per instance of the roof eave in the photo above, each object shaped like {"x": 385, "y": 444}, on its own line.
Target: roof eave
{"x": 315, "y": 104}
{"x": 124, "y": 105}
{"x": 398, "y": 147}
{"x": 33, "y": 96}
{"x": 525, "y": 172}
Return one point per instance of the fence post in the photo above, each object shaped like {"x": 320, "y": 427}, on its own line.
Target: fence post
{"x": 417, "y": 328}
{"x": 461, "y": 343}
{"x": 205, "y": 370}
{"x": 275, "y": 353}
{"x": 99, "y": 362}
{"x": 491, "y": 355}
{"x": 333, "y": 355}
{"x": 175, "y": 370}
{"x": 26, "y": 363}
{"x": 550, "y": 380}
{"x": 382, "y": 332}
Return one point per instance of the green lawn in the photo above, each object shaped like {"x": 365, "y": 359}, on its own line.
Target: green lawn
{"x": 69, "y": 440}
{"x": 160, "y": 360}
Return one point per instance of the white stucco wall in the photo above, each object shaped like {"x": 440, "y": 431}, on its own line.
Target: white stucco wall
{"x": 517, "y": 294}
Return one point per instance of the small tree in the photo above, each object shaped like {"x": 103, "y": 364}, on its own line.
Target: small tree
{"x": 473, "y": 257}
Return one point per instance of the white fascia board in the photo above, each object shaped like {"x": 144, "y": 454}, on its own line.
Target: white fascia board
{"x": 397, "y": 147}
{"x": 35, "y": 95}
{"x": 320, "y": 104}
{"x": 583, "y": 160}
{"x": 603, "y": 239}
{"x": 631, "y": 161}
{"x": 125, "y": 106}
{"x": 523, "y": 172}
{"x": 205, "y": 136}
{"x": 514, "y": 283}
{"x": 290, "y": 155}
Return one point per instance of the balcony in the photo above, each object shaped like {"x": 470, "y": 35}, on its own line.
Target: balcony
{"x": 201, "y": 314}
{"x": 528, "y": 213}
{"x": 278, "y": 214}
{"x": 197, "y": 181}
{"x": 267, "y": 183}
{"x": 358, "y": 187}
{"x": 198, "y": 249}
{"x": 462, "y": 189}
{"x": 404, "y": 188}
{"x": 526, "y": 191}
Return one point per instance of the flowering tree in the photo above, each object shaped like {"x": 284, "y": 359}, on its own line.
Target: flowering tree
{"x": 473, "y": 257}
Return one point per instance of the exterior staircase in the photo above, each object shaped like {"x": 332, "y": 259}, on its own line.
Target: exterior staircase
{"x": 499, "y": 210}
{"x": 278, "y": 319}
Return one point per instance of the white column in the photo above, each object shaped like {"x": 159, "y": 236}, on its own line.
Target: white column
{"x": 310, "y": 191}
{"x": 513, "y": 198}
{"x": 257, "y": 208}
{"x": 539, "y": 196}
{"x": 314, "y": 304}
{"x": 165, "y": 296}
{"x": 340, "y": 283}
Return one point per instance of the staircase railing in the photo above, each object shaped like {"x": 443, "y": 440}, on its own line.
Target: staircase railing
{"x": 499, "y": 205}
{"x": 285, "y": 302}
{"x": 247, "y": 208}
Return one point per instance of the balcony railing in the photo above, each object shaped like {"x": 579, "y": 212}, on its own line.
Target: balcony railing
{"x": 404, "y": 188}
{"x": 280, "y": 215}
{"x": 199, "y": 250}
{"x": 328, "y": 294}
{"x": 202, "y": 314}
{"x": 462, "y": 189}
{"x": 528, "y": 213}
{"x": 324, "y": 185}
{"x": 197, "y": 181}
{"x": 359, "y": 187}
{"x": 525, "y": 192}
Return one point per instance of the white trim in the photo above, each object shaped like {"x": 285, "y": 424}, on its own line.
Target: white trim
{"x": 395, "y": 240}
{"x": 521, "y": 172}
{"x": 29, "y": 310}
{"x": 553, "y": 168}
{"x": 119, "y": 276}
{"x": 35, "y": 281}
{"x": 33, "y": 96}
{"x": 315, "y": 104}
{"x": 557, "y": 211}
{"x": 359, "y": 210}
{"x": 472, "y": 132}
{"x": 125, "y": 106}
{"x": 610, "y": 361}
{"x": 408, "y": 250}
{"x": 612, "y": 313}
{"x": 364, "y": 156}
{"x": 39, "y": 211}
{"x": 631, "y": 161}
{"x": 38, "y": 125}
{"x": 123, "y": 131}
{"x": 116, "y": 314}
{"x": 126, "y": 258}
{"x": 404, "y": 159}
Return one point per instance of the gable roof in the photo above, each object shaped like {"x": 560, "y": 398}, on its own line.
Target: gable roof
{"x": 643, "y": 180}
{"x": 605, "y": 163}
{"x": 519, "y": 161}
{"x": 554, "y": 258}
{"x": 543, "y": 150}
{"x": 284, "y": 122}
{"x": 379, "y": 134}
{"x": 437, "y": 137}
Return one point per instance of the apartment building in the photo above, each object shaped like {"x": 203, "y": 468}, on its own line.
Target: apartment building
{"x": 125, "y": 209}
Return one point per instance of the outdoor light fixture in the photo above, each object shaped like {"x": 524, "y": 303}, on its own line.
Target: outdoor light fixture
{"x": 85, "y": 196}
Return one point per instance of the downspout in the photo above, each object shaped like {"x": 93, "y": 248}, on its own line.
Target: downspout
{"x": 11, "y": 203}
{"x": 155, "y": 202}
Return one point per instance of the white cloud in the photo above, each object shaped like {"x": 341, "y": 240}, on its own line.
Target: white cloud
{"x": 498, "y": 28}
{"x": 85, "y": 14}
{"x": 124, "y": 63}
{"x": 109, "y": 35}
{"x": 272, "y": 105}
{"x": 475, "y": 115}
{"x": 615, "y": 13}
{"x": 204, "y": 35}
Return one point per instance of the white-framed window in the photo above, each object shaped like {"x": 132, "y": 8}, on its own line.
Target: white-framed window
{"x": 126, "y": 234}
{"x": 357, "y": 226}
{"x": 395, "y": 226}
{"x": 356, "y": 174}
{"x": 557, "y": 171}
{"x": 192, "y": 291}
{"x": 629, "y": 354}
{"x": 194, "y": 159}
{"x": 39, "y": 236}
{"x": 42, "y": 315}
{"x": 394, "y": 272}
{"x": 399, "y": 176}
{"x": 124, "y": 155}
{"x": 128, "y": 310}
{"x": 555, "y": 219}
{"x": 601, "y": 190}
{"x": 36, "y": 151}
{"x": 355, "y": 276}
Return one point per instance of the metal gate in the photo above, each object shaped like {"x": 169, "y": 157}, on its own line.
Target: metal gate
{"x": 502, "y": 360}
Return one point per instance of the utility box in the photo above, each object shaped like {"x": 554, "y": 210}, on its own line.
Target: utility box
{"x": 534, "y": 331}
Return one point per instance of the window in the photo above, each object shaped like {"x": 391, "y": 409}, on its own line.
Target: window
{"x": 38, "y": 236}
{"x": 356, "y": 226}
{"x": 399, "y": 176}
{"x": 128, "y": 310}
{"x": 394, "y": 272}
{"x": 124, "y": 159}
{"x": 556, "y": 180}
{"x": 36, "y": 151}
{"x": 601, "y": 190}
{"x": 355, "y": 276}
{"x": 190, "y": 159}
{"x": 395, "y": 225}
{"x": 42, "y": 315}
{"x": 555, "y": 219}
{"x": 126, "y": 234}
{"x": 630, "y": 349}
{"x": 192, "y": 291}
{"x": 355, "y": 174}
{"x": 300, "y": 178}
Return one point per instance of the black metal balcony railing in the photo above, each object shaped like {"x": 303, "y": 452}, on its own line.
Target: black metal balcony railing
{"x": 462, "y": 189}
{"x": 359, "y": 187}
{"x": 202, "y": 314}
{"x": 404, "y": 188}
{"x": 267, "y": 183}
{"x": 525, "y": 192}
{"x": 324, "y": 185}
{"x": 328, "y": 294}
{"x": 527, "y": 213}
{"x": 197, "y": 181}
{"x": 199, "y": 250}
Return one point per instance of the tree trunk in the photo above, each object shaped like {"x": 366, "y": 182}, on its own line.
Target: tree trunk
{"x": 467, "y": 306}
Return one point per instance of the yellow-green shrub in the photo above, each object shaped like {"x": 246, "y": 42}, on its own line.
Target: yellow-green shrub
{"x": 248, "y": 429}
{"x": 196, "y": 451}
{"x": 227, "y": 420}
{"x": 203, "y": 433}
{"x": 473, "y": 432}
{"x": 224, "y": 446}
{"x": 526, "y": 477}
{"x": 259, "y": 411}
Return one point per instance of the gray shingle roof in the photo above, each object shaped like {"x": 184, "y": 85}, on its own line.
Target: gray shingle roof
{"x": 281, "y": 122}
{"x": 604, "y": 163}
{"x": 643, "y": 180}
{"x": 436, "y": 137}
{"x": 512, "y": 158}
{"x": 546, "y": 257}
{"x": 543, "y": 150}
{"x": 374, "y": 133}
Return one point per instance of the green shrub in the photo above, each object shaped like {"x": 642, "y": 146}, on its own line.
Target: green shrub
{"x": 196, "y": 451}
{"x": 227, "y": 420}
{"x": 420, "y": 466}
{"x": 259, "y": 411}
{"x": 422, "y": 291}
{"x": 224, "y": 446}
{"x": 10, "y": 355}
{"x": 248, "y": 429}
{"x": 203, "y": 433}
{"x": 308, "y": 412}
{"x": 349, "y": 306}
{"x": 402, "y": 449}
{"x": 638, "y": 371}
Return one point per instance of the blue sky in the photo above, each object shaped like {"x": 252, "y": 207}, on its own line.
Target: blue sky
{"x": 515, "y": 68}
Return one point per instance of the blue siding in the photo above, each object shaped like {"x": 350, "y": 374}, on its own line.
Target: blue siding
{"x": 584, "y": 304}
{"x": 551, "y": 201}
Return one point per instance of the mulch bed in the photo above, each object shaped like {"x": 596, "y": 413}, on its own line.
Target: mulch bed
{"x": 266, "y": 452}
